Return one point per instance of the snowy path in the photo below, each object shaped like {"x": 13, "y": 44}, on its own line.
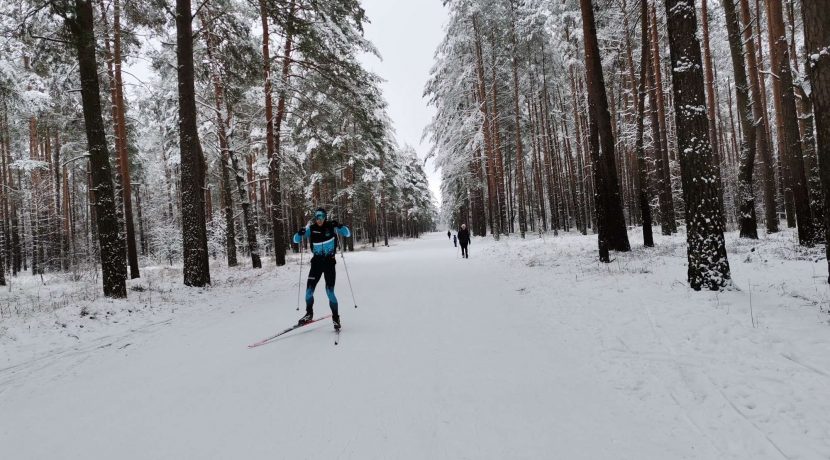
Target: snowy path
{"x": 445, "y": 359}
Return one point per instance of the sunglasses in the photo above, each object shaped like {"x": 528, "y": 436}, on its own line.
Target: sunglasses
{"x": 320, "y": 216}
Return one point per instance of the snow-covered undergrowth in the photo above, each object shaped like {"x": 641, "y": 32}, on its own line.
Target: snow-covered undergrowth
{"x": 749, "y": 366}
{"x": 41, "y": 315}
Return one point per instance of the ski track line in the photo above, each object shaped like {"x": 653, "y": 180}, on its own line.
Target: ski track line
{"x": 672, "y": 358}
{"x": 666, "y": 342}
{"x": 809, "y": 367}
{"x": 14, "y": 373}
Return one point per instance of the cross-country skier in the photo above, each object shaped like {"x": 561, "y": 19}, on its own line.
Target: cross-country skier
{"x": 464, "y": 239}
{"x": 448, "y": 234}
{"x": 455, "y": 241}
{"x": 322, "y": 234}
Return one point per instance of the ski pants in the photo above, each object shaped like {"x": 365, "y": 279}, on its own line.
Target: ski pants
{"x": 464, "y": 252}
{"x": 321, "y": 267}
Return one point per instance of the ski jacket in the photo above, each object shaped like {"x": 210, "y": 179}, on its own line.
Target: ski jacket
{"x": 323, "y": 238}
{"x": 464, "y": 236}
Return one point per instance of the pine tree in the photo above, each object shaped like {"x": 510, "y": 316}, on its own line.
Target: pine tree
{"x": 790, "y": 139}
{"x": 641, "y": 177}
{"x": 746, "y": 195}
{"x": 78, "y": 19}
{"x": 194, "y": 232}
{"x": 816, "y": 15}
{"x": 610, "y": 220}
{"x": 708, "y": 263}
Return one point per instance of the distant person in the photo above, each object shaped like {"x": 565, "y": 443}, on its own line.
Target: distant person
{"x": 322, "y": 234}
{"x": 449, "y": 235}
{"x": 464, "y": 239}
{"x": 455, "y": 241}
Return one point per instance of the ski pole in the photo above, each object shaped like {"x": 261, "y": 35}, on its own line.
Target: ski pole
{"x": 300, "y": 280}
{"x": 343, "y": 256}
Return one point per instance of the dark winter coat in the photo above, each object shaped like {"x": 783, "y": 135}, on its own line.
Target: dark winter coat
{"x": 464, "y": 236}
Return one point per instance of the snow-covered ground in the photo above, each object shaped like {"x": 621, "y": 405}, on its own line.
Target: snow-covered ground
{"x": 529, "y": 349}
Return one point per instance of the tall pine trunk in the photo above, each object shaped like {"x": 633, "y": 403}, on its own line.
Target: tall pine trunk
{"x": 746, "y": 196}
{"x": 666, "y": 198}
{"x": 790, "y": 137}
{"x": 481, "y": 99}
{"x": 194, "y": 233}
{"x": 708, "y": 263}
{"x": 112, "y": 246}
{"x": 816, "y": 15}
{"x": 641, "y": 177}
{"x": 222, "y": 134}
{"x": 759, "y": 121}
{"x": 274, "y": 160}
{"x": 520, "y": 166}
{"x": 123, "y": 160}
{"x": 610, "y": 219}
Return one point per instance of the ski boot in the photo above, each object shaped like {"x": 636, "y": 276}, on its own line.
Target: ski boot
{"x": 336, "y": 320}
{"x": 309, "y": 314}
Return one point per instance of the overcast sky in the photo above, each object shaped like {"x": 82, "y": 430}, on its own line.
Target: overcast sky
{"x": 406, "y": 33}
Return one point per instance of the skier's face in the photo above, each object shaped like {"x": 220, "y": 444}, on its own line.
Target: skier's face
{"x": 320, "y": 217}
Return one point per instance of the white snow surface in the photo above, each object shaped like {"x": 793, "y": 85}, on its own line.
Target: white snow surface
{"x": 530, "y": 349}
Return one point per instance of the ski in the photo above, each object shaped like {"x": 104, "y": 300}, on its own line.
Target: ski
{"x": 286, "y": 331}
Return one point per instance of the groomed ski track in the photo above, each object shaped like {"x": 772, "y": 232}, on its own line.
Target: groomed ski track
{"x": 445, "y": 358}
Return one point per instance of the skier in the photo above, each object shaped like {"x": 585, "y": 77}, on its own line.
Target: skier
{"x": 464, "y": 239}
{"x": 322, "y": 234}
{"x": 455, "y": 241}
{"x": 448, "y": 234}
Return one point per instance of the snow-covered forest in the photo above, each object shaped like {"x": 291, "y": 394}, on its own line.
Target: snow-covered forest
{"x": 629, "y": 257}
{"x": 560, "y": 115}
{"x": 216, "y": 152}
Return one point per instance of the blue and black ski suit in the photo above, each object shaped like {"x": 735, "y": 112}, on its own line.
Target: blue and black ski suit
{"x": 323, "y": 239}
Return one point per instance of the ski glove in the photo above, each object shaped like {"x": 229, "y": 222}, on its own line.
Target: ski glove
{"x": 341, "y": 229}
{"x": 298, "y": 237}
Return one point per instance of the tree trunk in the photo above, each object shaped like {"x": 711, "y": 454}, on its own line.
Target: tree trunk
{"x": 4, "y": 208}
{"x": 481, "y": 99}
{"x": 121, "y": 126}
{"x": 4, "y": 204}
{"x": 785, "y": 188}
{"x": 710, "y": 79}
{"x": 760, "y": 121}
{"x": 112, "y": 246}
{"x": 499, "y": 160}
{"x": 194, "y": 233}
{"x": 708, "y": 263}
{"x": 746, "y": 196}
{"x": 816, "y": 15}
{"x": 223, "y": 137}
{"x": 790, "y": 139}
{"x": 274, "y": 160}
{"x": 665, "y": 195}
{"x": 520, "y": 165}
{"x": 641, "y": 178}
{"x": 610, "y": 219}
{"x": 138, "y": 214}
{"x": 806, "y": 127}
{"x": 718, "y": 148}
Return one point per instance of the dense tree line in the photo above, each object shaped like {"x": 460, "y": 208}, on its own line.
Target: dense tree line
{"x": 559, "y": 115}
{"x": 250, "y": 114}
